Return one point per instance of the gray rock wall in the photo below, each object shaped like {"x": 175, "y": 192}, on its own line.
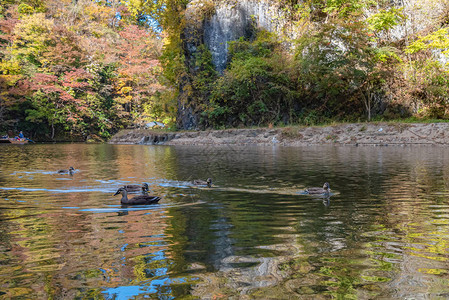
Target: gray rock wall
{"x": 233, "y": 20}
{"x": 215, "y": 23}
{"x": 229, "y": 20}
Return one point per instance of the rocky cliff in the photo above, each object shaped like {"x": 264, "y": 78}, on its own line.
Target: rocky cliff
{"x": 211, "y": 24}
{"x": 236, "y": 19}
{"x": 214, "y": 24}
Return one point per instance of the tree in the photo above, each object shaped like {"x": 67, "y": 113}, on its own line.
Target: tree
{"x": 77, "y": 68}
{"x": 32, "y": 38}
{"x": 138, "y": 71}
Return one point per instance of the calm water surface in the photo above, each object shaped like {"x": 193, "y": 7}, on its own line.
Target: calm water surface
{"x": 383, "y": 233}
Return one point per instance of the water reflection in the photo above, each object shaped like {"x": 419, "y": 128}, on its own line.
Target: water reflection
{"x": 382, "y": 233}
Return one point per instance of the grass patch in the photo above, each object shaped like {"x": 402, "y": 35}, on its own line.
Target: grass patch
{"x": 410, "y": 120}
{"x": 291, "y": 132}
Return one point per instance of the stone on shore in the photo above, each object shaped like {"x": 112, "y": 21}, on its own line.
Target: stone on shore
{"x": 378, "y": 134}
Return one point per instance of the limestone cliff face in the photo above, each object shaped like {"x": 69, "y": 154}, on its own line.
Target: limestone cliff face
{"x": 236, "y": 19}
{"x": 420, "y": 15}
{"x": 215, "y": 24}
{"x": 232, "y": 19}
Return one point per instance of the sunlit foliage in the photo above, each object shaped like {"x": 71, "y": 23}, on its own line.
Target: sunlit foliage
{"x": 343, "y": 60}
{"x": 77, "y": 67}
{"x": 89, "y": 68}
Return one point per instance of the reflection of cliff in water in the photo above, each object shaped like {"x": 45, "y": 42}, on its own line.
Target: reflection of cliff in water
{"x": 322, "y": 239}
{"x": 382, "y": 234}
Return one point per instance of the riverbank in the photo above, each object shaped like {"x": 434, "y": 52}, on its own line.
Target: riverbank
{"x": 378, "y": 134}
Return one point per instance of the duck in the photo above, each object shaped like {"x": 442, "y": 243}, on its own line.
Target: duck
{"x": 137, "y": 200}
{"x": 69, "y": 171}
{"x": 136, "y": 188}
{"x": 319, "y": 191}
{"x": 208, "y": 182}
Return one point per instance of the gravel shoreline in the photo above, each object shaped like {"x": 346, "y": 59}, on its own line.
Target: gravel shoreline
{"x": 377, "y": 134}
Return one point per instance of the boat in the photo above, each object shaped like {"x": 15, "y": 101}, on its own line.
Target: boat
{"x": 18, "y": 141}
{"x": 5, "y": 140}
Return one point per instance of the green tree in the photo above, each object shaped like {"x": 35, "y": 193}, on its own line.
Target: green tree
{"x": 256, "y": 88}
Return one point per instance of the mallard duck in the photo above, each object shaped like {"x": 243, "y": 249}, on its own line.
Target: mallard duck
{"x": 138, "y": 200}
{"x": 319, "y": 191}
{"x": 69, "y": 171}
{"x": 136, "y": 188}
{"x": 208, "y": 182}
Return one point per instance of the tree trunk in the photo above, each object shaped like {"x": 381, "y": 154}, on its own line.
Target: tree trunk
{"x": 52, "y": 131}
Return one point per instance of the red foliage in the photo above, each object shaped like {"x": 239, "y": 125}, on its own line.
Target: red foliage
{"x": 138, "y": 62}
{"x": 76, "y": 79}
{"x": 15, "y": 92}
{"x": 44, "y": 79}
{"x": 138, "y": 55}
{"x": 49, "y": 84}
{"x": 65, "y": 49}
{"x": 7, "y": 25}
{"x": 123, "y": 11}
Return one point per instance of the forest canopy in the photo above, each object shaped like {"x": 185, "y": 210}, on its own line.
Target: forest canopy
{"x": 70, "y": 70}
{"x": 78, "y": 68}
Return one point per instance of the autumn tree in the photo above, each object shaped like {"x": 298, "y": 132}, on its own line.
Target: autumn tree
{"x": 76, "y": 67}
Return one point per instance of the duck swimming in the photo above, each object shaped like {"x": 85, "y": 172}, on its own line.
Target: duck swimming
{"x": 69, "y": 171}
{"x": 319, "y": 191}
{"x": 136, "y": 188}
{"x": 208, "y": 182}
{"x": 137, "y": 200}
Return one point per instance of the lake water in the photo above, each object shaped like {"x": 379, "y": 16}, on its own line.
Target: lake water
{"x": 383, "y": 232}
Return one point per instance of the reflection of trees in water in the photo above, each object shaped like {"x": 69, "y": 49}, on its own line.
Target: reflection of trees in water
{"x": 245, "y": 257}
{"x": 367, "y": 248}
{"x": 137, "y": 251}
{"x": 209, "y": 161}
{"x": 42, "y": 243}
{"x": 201, "y": 234}
{"x": 243, "y": 239}
{"x": 386, "y": 225}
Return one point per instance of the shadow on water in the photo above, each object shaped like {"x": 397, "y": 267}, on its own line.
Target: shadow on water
{"x": 381, "y": 233}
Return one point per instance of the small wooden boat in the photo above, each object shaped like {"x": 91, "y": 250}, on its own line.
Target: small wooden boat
{"x": 4, "y": 140}
{"x": 18, "y": 141}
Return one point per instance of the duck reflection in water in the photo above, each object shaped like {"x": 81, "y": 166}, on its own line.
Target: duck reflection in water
{"x": 123, "y": 212}
{"x": 137, "y": 200}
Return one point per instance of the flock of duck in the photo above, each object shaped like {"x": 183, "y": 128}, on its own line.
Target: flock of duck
{"x": 145, "y": 199}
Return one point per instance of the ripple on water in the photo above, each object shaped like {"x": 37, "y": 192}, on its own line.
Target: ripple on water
{"x": 382, "y": 234}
